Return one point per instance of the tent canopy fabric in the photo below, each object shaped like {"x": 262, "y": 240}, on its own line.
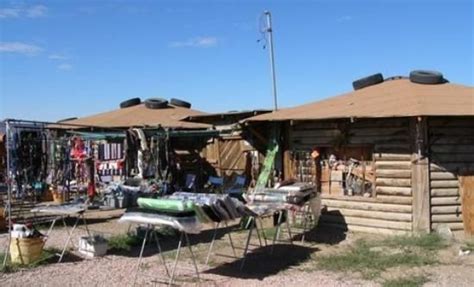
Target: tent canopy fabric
{"x": 140, "y": 116}
{"x": 394, "y": 98}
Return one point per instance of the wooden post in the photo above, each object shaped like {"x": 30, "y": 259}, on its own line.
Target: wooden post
{"x": 219, "y": 164}
{"x": 420, "y": 176}
{"x": 287, "y": 161}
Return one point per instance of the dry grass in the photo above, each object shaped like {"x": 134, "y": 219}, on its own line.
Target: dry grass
{"x": 371, "y": 258}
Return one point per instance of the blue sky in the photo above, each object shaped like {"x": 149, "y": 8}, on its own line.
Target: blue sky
{"x": 73, "y": 58}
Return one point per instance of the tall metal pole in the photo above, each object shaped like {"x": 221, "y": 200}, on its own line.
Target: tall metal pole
{"x": 9, "y": 190}
{"x": 269, "y": 32}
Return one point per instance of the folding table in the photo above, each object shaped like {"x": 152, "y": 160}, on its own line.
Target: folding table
{"x": 153, "y": 220}
{"x": 60, "y": 212}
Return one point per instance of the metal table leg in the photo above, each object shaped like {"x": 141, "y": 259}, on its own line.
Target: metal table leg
{"x": 192, "y": 255}
{"x": 68, "y": 238}
{"x": 140, "y": 256}
{"x": 277, "y": 232}
{"x": 230, "y": 239}
{"x": 263, "y": 231}
{"x": 51, "y": 227}
{"x": 178, "y": 251}
{"x": 212, "y": 242}
{"x": 289, "y": 230}
{"x": 161, "y": 253}
{"x": 247, "y": 244}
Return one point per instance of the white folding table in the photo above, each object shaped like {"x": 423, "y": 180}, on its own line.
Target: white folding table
{"x": 60, "y": 212}
{"x": 153, "y": 220}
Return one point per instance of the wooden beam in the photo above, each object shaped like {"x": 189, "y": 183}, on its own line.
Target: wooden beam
{"x": 393, "y": 182}
{"x": 395, "y": 216}
{"x": 446, "y": 218}
{"x": 390, "y": 190}
{"x": 367, "y": 206}
{"x": 394, "y": 173}
{"x": 420, "y": 176}
{"x": 367, "y": 222}
{"x": 451, "y": 200}
{"x": 364, "y": 229}
{"x": 440, "y": 192}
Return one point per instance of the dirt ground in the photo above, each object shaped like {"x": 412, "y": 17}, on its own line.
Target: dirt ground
{"x": 288, "y": 265}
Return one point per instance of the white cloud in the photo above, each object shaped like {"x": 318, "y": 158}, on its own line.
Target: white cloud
{"x": 9, "y": 13}
{"x": 198, "y": 42}
{"x": 58, "y": 57}
{"x": 64, "y": 67}
{"x": 35, "y": 11}
{"x": 20, "y": 48}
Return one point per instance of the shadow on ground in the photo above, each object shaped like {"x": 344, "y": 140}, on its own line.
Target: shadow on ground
{"x": 260, "y": 263}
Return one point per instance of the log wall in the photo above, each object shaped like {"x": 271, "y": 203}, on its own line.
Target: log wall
{"x": 390, "y": 211}
{"x": 451, "y": 153}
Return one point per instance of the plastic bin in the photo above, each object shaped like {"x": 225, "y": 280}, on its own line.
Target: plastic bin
{"x": 93, "y": 246}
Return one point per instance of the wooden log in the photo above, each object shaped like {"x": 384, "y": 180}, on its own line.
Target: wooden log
{"x": 451, "y": 200}
{"x": 442, "y": 175}
{"x": 386, "y": 131}
{"x": 454, "y": 157}
{"x": 365, "y": 229}
{"x": 452, "y": 149}
{"x": 455, "y": 168}
{"x": 392, "y": 156}
{"x": 389, "y": 190}
{"x": 395, "y": 182}
{"x": 448, "y": 209}
{"x": 314, "y": 125}
{"x": 373, "y": 214}
{"x": 367, "y": 222}
{"x": 393, "y": 173}
{"x": 452, "y": 225}
{"x": 378, "y": 123}
{"x": 395, "y": 199}
{"x": 388, "y": 207}
{"x": 316, "y": 133}
{"x": 451, "y": 122}
{"x": 452, "y": 131}
{"x": 446, "y": 218}
{"x": 465, "y": 140}
{"x": 402, "y": 140}
{"x": 403, "y": 165}
{"x": 392, "y": 147}
{"x": 444, "y": 184}
{"x": 440, "y": 192}
{"x": 406, "y": 200}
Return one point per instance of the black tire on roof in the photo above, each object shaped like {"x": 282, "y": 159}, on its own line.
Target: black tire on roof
{"x": 156, "y": 103}
{"x": 130, "y": 102}
{"x": 67, "y": 119}
{"x": 367, "y": 81}
{"x": 426, "y": 77}
{"x": 180, "y": 103}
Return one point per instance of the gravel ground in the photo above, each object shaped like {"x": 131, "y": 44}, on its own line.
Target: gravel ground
{"x": 286, "y": 267}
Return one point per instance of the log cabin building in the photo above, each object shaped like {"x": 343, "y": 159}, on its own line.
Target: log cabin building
{"x": 394, "y": 157}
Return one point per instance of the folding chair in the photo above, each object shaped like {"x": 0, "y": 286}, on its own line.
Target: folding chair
{"x": 190, "y": 184}
{"x": 238, "y": 186}
{"x": 216, "y": 183}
